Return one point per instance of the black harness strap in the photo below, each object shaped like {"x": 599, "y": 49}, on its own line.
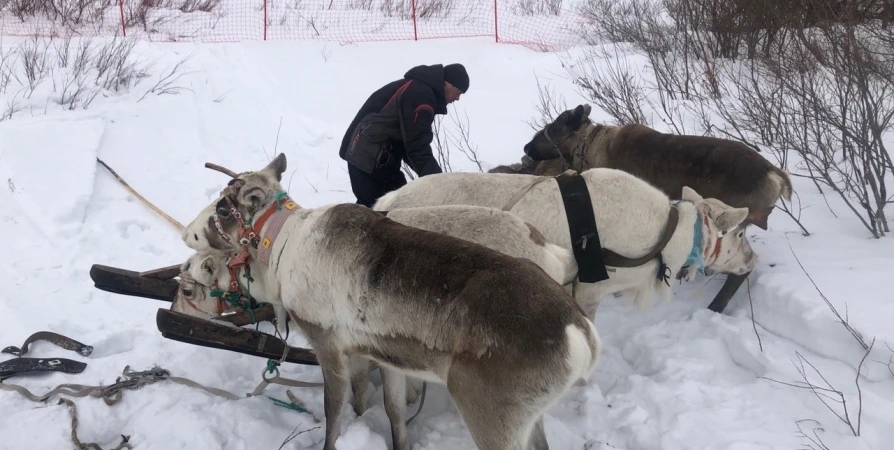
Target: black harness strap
{"x": 582, "y": 226}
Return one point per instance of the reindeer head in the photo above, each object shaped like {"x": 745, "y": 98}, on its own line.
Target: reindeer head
{"x": 198, "y": 276}
{"x": 724, "y": 246}
{"x": 222, "y": 226}
{"x": 558, "y": 138}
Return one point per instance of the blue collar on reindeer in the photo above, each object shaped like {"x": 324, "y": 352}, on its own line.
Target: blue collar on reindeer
{"x": 695, "y": 253}
{"x": 277, "y": 213}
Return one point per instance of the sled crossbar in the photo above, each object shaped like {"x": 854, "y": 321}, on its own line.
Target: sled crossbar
{"x": 192, "y": 330}
{"x": 160, "y": 284}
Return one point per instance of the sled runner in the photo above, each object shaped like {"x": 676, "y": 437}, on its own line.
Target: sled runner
{"x": 160, "y": 284}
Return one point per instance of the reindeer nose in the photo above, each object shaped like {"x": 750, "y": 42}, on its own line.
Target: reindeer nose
{"x": 529, "y": 149}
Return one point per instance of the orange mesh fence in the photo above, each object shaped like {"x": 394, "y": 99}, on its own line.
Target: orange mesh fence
{"x": 540, "y": 24}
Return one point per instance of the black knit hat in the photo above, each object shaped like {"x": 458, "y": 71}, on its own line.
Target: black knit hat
{"x": 456, "y": 75}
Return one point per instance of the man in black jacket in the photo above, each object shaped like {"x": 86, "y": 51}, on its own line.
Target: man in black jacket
{"x": 395, "y": 125}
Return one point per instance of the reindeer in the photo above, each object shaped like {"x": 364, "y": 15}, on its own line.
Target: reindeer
{"x": 631, "y": 217}
{"x": 528, "y": 166}
{"x": 717, "y": 168}
{"x": 492, "y": 228}
{"x": 505, "y": 339}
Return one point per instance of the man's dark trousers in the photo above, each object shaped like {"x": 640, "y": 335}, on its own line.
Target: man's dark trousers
{"x": 368, "y": 188}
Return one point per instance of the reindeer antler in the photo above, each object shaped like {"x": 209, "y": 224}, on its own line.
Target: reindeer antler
{"x": 221, "y": 169}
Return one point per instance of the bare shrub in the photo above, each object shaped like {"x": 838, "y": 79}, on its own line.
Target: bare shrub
{"x": 70, "y": 14}
{"x": 71, "y": 75}
{"x": 548, "y": 105}
{"x": 538, "y": 7}
{"x": 150, "y": 15}
{"x": 611, "y": 85}
{"x": 445, "y": 141}
{"x": 816, "y": 83}
{"x": 828, "y": 98}
{"x": 166, "y": 85}
{"x": 425, "y": 9}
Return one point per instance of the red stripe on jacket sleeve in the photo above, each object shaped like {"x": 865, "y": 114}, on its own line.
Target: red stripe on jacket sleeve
{"x": 423, "y": 106}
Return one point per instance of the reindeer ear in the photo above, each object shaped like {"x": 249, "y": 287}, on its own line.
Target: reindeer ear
{"x": 731, "y": 218}
{"x": 759, "y": 218}
{"x": 209, "y": 266}
{"x": 276, "y": 167}
{"x": 690, "y": 195}
{"x": 579, "y": 114}
{"x": 252, "y": 198}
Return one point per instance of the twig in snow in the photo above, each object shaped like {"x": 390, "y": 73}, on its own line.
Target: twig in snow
{"x": 170, "y": 219}
{"x": 754, "y": 325}
{"x": 823, "y": 393}
{"x": 293, "y": 435}
{"x": 816, "y": 442}
{"x": 276, "y": 143}
{"x": 311, "y": 185}
{"x": 890, "y": 360}
{"x": 856, "y": 334}
{"x": 165, "y": 85}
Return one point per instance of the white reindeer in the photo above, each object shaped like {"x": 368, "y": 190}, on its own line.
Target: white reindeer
{"x": 505, "y": 339}
{"x": 492, "y": 228}
{"x": 630, "y": 214}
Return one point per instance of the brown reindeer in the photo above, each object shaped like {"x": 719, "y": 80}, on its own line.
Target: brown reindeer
{"x": 716, "y": 168}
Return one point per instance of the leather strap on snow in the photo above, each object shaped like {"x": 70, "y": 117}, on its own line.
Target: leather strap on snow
{"x": 134, "y": 380}
{"x": 74, "y": 431}
{"x": 582, "y": 228}
{"x": 54, "y": 338}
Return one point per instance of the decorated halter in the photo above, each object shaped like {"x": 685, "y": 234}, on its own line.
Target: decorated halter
{"x": 249, "y": 235}
{"x": 579, "y": 149}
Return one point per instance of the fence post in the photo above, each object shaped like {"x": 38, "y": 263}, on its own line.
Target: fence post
{"x": 121, "y": 13}
{"x": 415, "y": 30}
{"x": 265, "y": 20}
{"x": 496, "y": 27}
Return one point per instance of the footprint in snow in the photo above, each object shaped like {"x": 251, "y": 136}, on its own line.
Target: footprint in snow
{"x": 115, "y": 344}
{"x": 127, "y": 227}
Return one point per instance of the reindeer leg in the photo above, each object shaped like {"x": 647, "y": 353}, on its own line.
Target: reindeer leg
{"x": 335, "y": 378}
{"x": 538, "y": 437}
{"x": 395, "y": 385}
{"x": 360, "y": 368}
{"x": 500, "y": 415}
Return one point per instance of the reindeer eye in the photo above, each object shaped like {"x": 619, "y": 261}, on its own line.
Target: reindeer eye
{"x": 187, "y": 292}
{"x": 223, "y": 212}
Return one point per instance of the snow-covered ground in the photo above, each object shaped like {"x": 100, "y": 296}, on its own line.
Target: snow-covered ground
{"x": 675, "y": 377}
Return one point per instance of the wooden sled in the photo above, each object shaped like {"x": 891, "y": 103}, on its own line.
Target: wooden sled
{"x": 160, "y": 284}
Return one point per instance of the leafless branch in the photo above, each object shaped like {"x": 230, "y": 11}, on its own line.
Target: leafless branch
{"x": 753, "y": 324}
{"x": 856, "y": 334}
{"x": 830, "y": 393}
{"x": 548, "y": 106}
{"x": 165, "y": 84}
